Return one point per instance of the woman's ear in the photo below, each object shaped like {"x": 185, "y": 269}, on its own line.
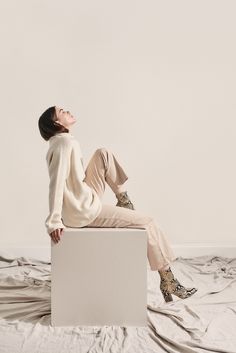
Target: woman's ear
{"x": 58, "y": 122}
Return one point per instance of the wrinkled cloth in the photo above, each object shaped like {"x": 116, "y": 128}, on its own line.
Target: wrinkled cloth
{"x": 205, "y": 322}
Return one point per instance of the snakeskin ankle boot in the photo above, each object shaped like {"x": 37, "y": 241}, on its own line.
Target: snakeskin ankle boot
{"x": 170, "y": 285}
{"x": 124, "y": 200}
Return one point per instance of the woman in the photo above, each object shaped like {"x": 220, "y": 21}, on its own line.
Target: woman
{"x": 75, "y": 196}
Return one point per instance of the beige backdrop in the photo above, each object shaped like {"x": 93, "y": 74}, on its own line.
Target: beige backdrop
{"x": 154, "y": 81}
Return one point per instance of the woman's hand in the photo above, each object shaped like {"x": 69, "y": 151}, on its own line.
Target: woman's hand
{"x": 55, "y": 235}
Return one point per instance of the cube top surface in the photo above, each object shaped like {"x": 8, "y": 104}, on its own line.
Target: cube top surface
{"x": 101, "y": 229}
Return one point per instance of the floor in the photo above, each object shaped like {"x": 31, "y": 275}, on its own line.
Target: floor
{"x": 205, "y": 322}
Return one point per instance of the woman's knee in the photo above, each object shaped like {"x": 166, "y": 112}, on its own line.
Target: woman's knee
{"x": 101, "y": 150}
{"x": 149, "y": 220}
{"x": 143, "y": 219}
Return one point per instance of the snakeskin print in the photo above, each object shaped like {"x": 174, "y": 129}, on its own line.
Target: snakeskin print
{"x": 170, "y": 285}
{"x": 124, "y": 200}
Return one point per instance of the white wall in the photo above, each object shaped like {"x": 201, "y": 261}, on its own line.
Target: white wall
{"x": 154, "y": 81}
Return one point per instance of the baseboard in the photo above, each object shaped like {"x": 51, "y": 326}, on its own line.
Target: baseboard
{"x": 201, "y": 249}
{"x": 42, "y": 253}
{"x": 181, "y": 250}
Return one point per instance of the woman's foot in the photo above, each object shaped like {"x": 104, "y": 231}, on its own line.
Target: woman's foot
{"x": 124, "y": 200}
{"x": 170, "y": 285}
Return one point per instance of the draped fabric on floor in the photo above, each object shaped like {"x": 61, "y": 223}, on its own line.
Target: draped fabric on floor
{"x": 205, "y": 322}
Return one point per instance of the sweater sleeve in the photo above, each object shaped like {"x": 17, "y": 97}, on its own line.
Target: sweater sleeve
{"x": 58, "y": 169}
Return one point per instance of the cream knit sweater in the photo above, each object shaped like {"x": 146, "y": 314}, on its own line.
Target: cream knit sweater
{"x": 72, "y": 202}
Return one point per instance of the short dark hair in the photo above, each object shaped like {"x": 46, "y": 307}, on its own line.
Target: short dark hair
{"x": 47, "y": 124}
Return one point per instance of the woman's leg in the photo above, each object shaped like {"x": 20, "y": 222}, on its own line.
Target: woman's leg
{"x": 159, "y": 252}
{"x": 104, "y": 168}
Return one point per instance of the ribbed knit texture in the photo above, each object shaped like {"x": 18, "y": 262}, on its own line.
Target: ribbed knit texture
{"x": 72, "y": 202}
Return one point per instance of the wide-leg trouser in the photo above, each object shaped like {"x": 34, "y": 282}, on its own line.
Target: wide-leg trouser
{"x": 104, "y": 168}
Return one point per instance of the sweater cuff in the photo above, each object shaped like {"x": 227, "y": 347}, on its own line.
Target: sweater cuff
{"x": 51, "y": 228}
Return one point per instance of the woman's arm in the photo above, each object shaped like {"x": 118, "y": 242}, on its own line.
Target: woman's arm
{"x": 58, "y": 168}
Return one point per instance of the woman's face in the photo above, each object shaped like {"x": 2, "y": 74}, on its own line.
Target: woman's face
{"x": 64, "y": 117}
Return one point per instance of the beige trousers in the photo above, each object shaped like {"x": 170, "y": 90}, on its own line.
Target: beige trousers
{"x": 104, "y": 168}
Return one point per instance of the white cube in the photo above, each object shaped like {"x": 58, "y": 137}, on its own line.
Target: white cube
{"x": 99, "y": 277}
